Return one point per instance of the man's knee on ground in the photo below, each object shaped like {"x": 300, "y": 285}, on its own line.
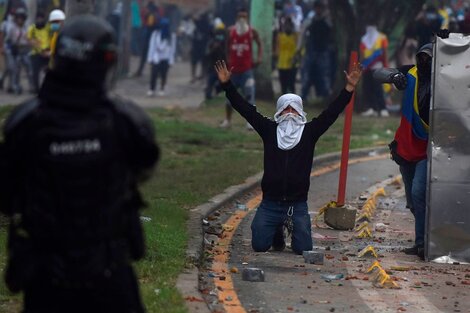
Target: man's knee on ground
{"x": 299, "y": 249}
{"x": 260, "y": 247}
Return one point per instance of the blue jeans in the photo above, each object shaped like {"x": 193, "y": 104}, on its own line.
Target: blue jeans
{"x": 212, "y": 81}
{"x": 318, "y": 75}
{"x": 136, "y": 41}
{"x": 271, "y": 215}
{"x": 414, "y": 178}
{"x": 246, "y": 83}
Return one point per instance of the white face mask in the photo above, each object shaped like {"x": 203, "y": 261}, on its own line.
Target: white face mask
{"x": 290, "y": 126}
{"x": 242, "y": 26}
{"x": 289, "y": 131}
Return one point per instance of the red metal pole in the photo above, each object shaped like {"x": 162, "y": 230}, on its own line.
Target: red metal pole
{"x": 343, "y": 173}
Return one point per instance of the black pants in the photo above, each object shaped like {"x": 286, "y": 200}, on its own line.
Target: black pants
{"x": 287, "y": 80}
{"x": 211, "y": 82}
{"x": 118, "y": 294}
{"x": 38, "y": 64}
{"x": 147, "y": 34}
{"x": 159, "y": 70}
{"x": 372, "y": 93}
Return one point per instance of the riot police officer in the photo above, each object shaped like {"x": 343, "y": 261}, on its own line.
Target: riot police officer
{"x": 70, "y": 166}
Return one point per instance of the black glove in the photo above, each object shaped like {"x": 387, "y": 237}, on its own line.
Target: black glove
{"x": 443, "y": 33}
{"x": 400, "y": 81}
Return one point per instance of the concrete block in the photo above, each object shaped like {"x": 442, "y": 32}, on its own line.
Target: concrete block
{"x": 342, "y": 218}
{"x": 313, "y": 257}
{"x": 253, "y": 274}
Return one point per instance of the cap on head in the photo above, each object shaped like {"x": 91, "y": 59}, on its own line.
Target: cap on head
{"x": 56, "y": 15}
{"x": 427, "y": 49}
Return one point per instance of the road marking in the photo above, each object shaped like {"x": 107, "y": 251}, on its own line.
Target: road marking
{"x": 226, "y": 291}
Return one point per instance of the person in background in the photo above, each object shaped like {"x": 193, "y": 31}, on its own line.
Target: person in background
{"x": 445, "y": 13}
{"x": 17, "y": 48}
{"x": 151, "y": 17}
{"x": 405, "y": 53}
{"x": 56, "y": 22}
{"x": 373, "y": 55}
{"x": 136, "y": 30}
{"x": 161, "y": 54}
{"x": 286, "y": 42}
{"x": 114, "y": 18}
{"x": 70, "y": 166}
{"x": 240, "y": 58}
{"x": 465, "y": 22}
{"x": 6, "y": 74}
{"x": 199, "y": 43}
{"x": 289, "y": 145}
{"x": 294, "y": 12}
{"x": 317, "y": 42}
{"x": 217, "y": 50}
{"x": 428, "y": 22}
{"x": 40, "y": 39}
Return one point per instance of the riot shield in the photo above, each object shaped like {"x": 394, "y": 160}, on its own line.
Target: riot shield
{"x": 448, "y": 196}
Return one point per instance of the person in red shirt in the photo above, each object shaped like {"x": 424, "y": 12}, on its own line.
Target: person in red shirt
{"x": 240, "y": 60}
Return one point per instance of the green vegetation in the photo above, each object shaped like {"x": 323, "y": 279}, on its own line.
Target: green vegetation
{"x": 198, "y": 161}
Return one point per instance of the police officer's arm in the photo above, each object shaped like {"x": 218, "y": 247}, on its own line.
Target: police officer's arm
{"x": 12, "y": 151}
{"x": 396, "y": 76}
{"x": 139, "y": 136}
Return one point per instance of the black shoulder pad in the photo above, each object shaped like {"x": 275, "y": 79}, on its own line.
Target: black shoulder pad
{"x": 19, "y": 114}
{"x": 132, "y": 111}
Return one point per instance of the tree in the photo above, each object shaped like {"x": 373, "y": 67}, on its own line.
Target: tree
{"x": 262, "y": 16}
{"x": 32, "y": 10}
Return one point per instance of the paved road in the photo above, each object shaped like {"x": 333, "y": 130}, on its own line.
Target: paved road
{"x": 293, "y": 286}
{"x": 179, "y": 91}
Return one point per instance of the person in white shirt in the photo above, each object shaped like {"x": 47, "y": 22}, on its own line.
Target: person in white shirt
{"x": 161, "y": 55}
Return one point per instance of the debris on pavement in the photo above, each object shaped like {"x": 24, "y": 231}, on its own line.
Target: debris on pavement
{"x": 253, "y": 274}
{"x": 331, "y": 276}
{"x": 368, "y": 251}
{"x": 313, "y": 257}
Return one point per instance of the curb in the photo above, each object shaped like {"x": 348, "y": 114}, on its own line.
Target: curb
{"x": 188, "y": 281}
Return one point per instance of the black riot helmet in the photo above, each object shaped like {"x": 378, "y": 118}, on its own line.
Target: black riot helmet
{"x": 86, "y": 53}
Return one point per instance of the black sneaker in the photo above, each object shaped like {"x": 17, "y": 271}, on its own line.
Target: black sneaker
{"x": 411, "y": 251}
{"x": 420, "y": 253}
{"x": 279, "y": 243}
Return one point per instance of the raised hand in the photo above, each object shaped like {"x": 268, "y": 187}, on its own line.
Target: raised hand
{"x": 222, "y": 72}
{"x": 353, "y": 77}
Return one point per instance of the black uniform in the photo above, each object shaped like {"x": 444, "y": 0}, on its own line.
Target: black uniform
{"x": 70, "y": 165}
